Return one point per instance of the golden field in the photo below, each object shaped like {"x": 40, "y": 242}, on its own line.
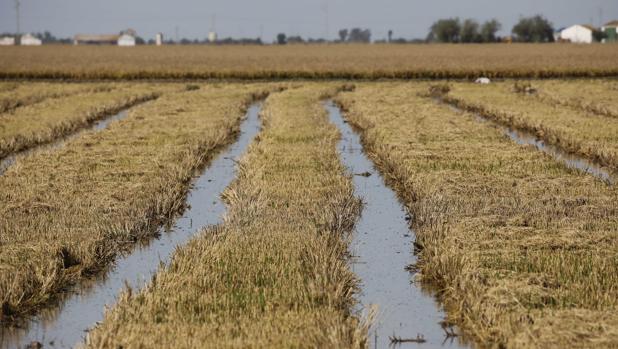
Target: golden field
{"x": 51, "y": 118}
{"x": 275, "y": 273}
{"x": 523, "y": 249}
{"x": 578, "y": 130}
{"x": 310, "y": 61}
{"x": 65, "y": 213}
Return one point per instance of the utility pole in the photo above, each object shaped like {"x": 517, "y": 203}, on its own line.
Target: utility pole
{"x": 326, "y": 21}
{"x": 17, "y": 4}
{"x": 213, "y": 22}
{"x": 176, "y": 33}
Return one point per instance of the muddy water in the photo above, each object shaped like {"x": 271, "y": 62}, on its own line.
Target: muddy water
{"x": 68, "y": 325}
{"x": 382, "y": 248}
{"x": 570, "y": 160}
{"x": 97, "y": 126}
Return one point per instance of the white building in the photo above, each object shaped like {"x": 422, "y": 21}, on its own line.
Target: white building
{"x": 159, "y": 39}
{"x": 578, "y": 34}
{"x": 7, "y": 41}
{"x": 126, "y": 40}
{"x": 30, "y": 40}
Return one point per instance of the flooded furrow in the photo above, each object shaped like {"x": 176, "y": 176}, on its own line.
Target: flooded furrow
{"x": 570, "y": 160}
{"x": 96, "y": 127}
{"x": 382, "y": 249}
{"x": 68, "y": 325}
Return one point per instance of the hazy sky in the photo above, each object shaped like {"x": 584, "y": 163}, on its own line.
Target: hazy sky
{"x": 308, "y": 18}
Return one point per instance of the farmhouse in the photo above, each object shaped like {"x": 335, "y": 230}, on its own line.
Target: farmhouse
{"x": 7, "y": 41}
{"x": 126, "y": 40}
{"x": 610, "y": 29}
{"x": 89, "y": 39}
{"x": 578, "y": 34}
{"x": 30, "y": 40}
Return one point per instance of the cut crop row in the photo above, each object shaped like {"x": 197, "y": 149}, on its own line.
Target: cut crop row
{"x": 522, "y": 249}
{"x": 66, "y": 213}
{"x": 275, "y": 273}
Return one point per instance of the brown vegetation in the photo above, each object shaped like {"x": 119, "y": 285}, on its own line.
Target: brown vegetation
{"x": 310, "y": 61}
{"x": 577, "y": 131}
{"x": 523, "y": 249}
{"x": 275, "y": 273}
{"x": 590, "y": 96}
{"x": 14, "y": 95}
{"x": 68, "y": 212}
{"x": 54, "y": 118}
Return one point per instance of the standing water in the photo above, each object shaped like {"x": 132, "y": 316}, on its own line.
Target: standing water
{"x": 68, "y": 325}
{"x": 382, "y": 247}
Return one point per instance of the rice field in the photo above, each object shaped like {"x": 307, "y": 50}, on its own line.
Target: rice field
{"x": 276, "y": 272}
{"x": 522, "y": 249}
{"x": 350, "y": 61}
{"x": 575, "y": 129}
{"x": 515, "y": 248}
{"x": 64, "y": 214}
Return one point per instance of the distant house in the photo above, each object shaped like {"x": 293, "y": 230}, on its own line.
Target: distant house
{"x": 126, "y": 40}
{"x": 610, "y": 29}
{"x": 7, "y": 41}
{"x": 91, "y": 39}
{"x": 578, "y": 34}
{"x": 30, "y": 40}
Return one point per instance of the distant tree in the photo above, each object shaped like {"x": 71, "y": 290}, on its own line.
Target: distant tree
{"x": 343, "y": 35}
{"x": 359, "y": 35}
{"x": 470, "y": 31}
{"x": 139, "y": 40}
{"x": 445, "y": 30}
{"x": 281, "y": 39}
{"x": 599, "y": 35}
{"x": 489, "y": 30}
{"x": 390, "y": 35}
{"x": 534, "y": 29}
{"x": 295, "y": 39}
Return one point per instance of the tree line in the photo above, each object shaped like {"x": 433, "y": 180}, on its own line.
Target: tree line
{"x": 453, "y": 30}
{"x": 449, "y": 30}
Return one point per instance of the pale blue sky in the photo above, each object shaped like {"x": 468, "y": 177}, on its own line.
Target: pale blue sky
{"x": 408, "y": 18}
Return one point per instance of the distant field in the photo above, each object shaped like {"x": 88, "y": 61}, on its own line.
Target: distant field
{"x": 310, "y": 61}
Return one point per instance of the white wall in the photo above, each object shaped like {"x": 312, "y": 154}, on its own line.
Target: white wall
{"x": 7, "y": 41}
{"x": 126, "y": 40}
{"x": 29, "y": 40}
{"x": 577, "y": 34}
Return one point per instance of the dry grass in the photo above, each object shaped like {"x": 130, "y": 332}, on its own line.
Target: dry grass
{"x": 14, "y": 95}
{"x": 523, "y": 249}
{"x": 577, "y": 131}
{"x": 67, "y": 213}
{"x": 53, "y": 118}
{"x": 590, "y": 96}
{"x": 275, "y": 273}
{"x": 310, "y": 61}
